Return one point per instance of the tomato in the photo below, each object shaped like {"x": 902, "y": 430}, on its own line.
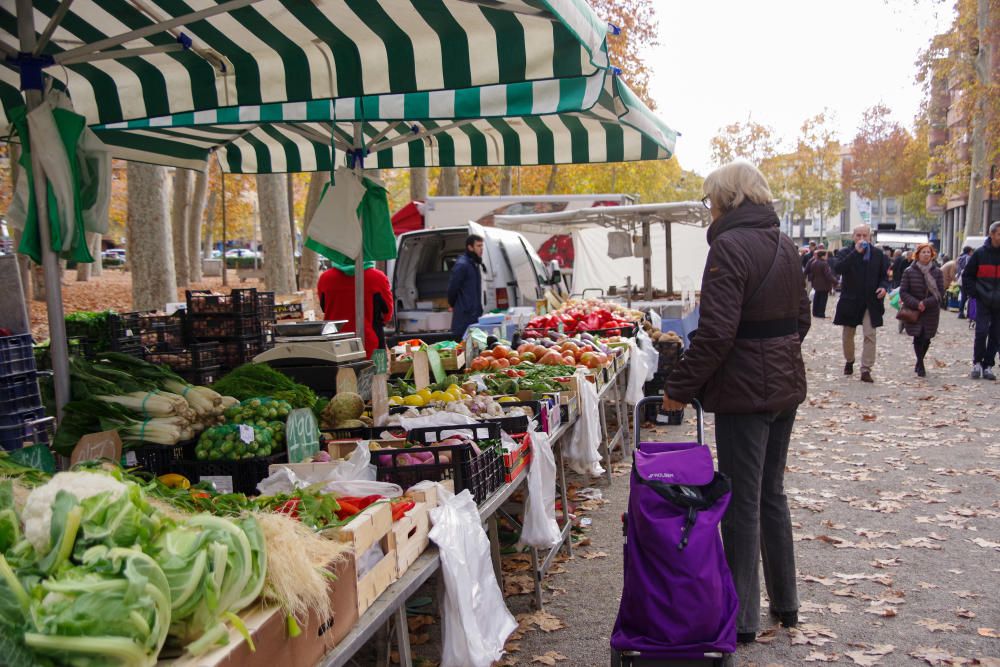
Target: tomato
{"x": 501, "y": 352}
{"x": 503, "y": 363}
{"x": 479, "y": 364}
{"x": 524, "y": 347}
{"x": 528, "y": 356}
{"x": 514, "y": 361}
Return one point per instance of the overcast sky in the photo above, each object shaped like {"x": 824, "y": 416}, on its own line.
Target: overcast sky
{"x": 782, "y": 61}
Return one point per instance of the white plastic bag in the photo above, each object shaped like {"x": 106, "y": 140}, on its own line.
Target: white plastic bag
{"x": 357, "y": 468}
{"x": 540, "y": 528}
{"x": 583, "y": 453}
{"x": 652, "y": 356}
{"x": 475, "y": 620}
{"x": 637, "y": 373}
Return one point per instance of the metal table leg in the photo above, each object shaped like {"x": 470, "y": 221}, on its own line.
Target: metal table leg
{"x": 564, "y": 493}
{"x": 403, "y": 637}
{"x": 494, "y": 534}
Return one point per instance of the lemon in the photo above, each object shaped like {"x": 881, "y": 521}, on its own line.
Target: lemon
{"x": 440, "y": 396}
{"x": 425, "y": 394}
{"x": 454, "y": 389}
{"x": 396, "y": 400}
{"x": 416, "y": 401}
{"x": 507, "y": 399}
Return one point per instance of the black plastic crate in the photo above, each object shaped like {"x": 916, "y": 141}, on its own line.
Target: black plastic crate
{"x": 162, "y": 332}
{"x": 203, "y": 376}
{"x": 19, "y": 393}
{"x": 39, "y": 431}
{"x": 203, "y": 302}
{"x": 194, "y": 357}
{"x": 243, "y": 475}
{"x": 224, "y": 327}
{"x": 234, "y": 353}
{"x": 125, "y": 325}
{"x": 156, "y": 459}
{"x": 77, "y": 347}
{"x": 16, "y": 355}
{"x": 482, "y": 475}
{"x": 670, "y": 354}
{"x": 432, "y": 434}
{"x": 265, "y": 306}
{"x": 20, "y": 416}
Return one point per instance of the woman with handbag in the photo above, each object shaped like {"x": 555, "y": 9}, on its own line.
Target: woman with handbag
{"x": 921, "y": 293}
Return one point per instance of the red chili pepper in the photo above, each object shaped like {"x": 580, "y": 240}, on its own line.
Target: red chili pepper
{"x": 346, "y": 509}
{"x": 401, "y": 508}
{"x": 290, "y": 507}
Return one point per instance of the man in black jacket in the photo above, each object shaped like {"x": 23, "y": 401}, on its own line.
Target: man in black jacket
{"x": 865, "y": 271}
{"x": 981, "y": 281}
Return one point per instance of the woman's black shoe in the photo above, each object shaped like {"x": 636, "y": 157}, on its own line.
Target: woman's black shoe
{"x": 789, "y": 619}
{"x": 746, "y": 637}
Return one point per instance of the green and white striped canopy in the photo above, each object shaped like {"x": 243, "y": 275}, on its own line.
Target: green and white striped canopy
{"x": 591, "y": 119}
{"x": 237, "y": 53}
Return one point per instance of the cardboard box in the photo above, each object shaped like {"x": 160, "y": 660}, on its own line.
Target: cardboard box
{"x": 342, "y": 449}
{"x": 511, "y": 475}
{"x": 269, "y": 631}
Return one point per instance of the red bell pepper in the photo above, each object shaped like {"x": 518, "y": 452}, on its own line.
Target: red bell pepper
{"x": 290, "y": 507}
{"x": 400, "y": 506}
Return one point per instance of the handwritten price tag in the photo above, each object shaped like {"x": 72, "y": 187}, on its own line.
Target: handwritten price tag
{"x": 247, "y": 434}
{"x": 301, "y": 435}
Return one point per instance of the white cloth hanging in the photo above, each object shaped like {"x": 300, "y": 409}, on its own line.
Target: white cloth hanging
{"x": 335, "y": 223}
{"x": 47, "y": 146}
{"x": 619, "y": 245}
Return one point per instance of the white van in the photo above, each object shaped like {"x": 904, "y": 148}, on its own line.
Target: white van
{"x": 513, "y": 275}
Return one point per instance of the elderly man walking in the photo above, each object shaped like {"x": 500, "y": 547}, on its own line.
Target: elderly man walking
{"x": 865, "y": 271}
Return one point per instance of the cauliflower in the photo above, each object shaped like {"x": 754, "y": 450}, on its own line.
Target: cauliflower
{"x": 37, "y": 513}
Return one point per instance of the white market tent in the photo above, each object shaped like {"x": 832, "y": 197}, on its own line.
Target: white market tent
{"x": 655, "y": 226}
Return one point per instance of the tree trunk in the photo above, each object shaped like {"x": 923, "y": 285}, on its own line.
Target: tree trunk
{"x": 309, "y": 261}
{"x": 506, "y": 181}
{"x": 550, "y": 188}
{"x": 983, "y": 66}
{"x": 272, "y": 196}
{"x": 23, "y": 263}
{"x": 84, "y": 271}
{"x": 209, "y": 226}
{"x": 179, "y": 223}
{"x": 448, "y": 182}
{"x": 37, "y": 282}
{"x": 194, "y": 224}
{"x": 150, "y": 242}
{"x": 418, "y": 184}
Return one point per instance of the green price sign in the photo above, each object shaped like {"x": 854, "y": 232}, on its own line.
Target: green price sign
{"x": 35, "y": 456}
{"x": 434, "y": 361}
{"x": 301, "y": 435}
{"x": 381, "y": 362}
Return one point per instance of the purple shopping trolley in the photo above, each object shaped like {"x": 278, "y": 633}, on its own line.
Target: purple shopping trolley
{"x": 678, "y": 603}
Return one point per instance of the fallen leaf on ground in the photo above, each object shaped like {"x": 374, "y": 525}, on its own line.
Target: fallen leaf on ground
{"x": 933, "y": 655}
{"x": 767, "y": 636}
{"x": 989, "y": 632}
{"x": 817, "y": 656}
{"x": 986, "y": 544}
{"x": 964, "y": 613}
{"x": 591, "y": 555}
{"x": 937, "y": 626}
{"x": 881, "y": 609}
{"x": 550, "y": 658}
{"x": 417, "y": 622}
{"x": 870, "y": 655}
{"x": 545, "y": 621}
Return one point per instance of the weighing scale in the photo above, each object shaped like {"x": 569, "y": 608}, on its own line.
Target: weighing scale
{"x": 317, "y": 354}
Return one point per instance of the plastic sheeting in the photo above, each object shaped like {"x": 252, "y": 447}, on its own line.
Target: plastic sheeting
{"x": 593, "y": 268}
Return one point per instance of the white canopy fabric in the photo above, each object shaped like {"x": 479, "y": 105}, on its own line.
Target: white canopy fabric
{"x": 592, "y": 268}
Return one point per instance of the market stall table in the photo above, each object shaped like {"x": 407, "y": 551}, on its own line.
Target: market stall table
{"x": 612, "y": 392}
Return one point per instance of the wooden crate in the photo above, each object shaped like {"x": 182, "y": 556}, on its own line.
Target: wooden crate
{"x": 372, "y": 526}
{"x": 450, "y": 364}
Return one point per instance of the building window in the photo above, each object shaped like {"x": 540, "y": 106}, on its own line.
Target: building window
{"x": 875, "y": 208}
{"x": 890, "y": 206}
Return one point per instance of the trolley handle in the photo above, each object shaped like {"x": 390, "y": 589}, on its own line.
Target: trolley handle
{"x": 699, "y": 413}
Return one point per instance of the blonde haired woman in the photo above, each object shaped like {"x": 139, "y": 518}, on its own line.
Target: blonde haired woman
{"x": 745, "y": 364}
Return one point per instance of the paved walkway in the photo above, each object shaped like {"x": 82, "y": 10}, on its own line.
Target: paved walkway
{"x": 894, "y": 494}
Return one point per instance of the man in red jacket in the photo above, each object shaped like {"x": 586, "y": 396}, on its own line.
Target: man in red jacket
{"x": 336, "y": 298}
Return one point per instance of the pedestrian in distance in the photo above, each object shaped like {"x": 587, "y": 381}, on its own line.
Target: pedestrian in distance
{"x": 963, "y": 261}
{"x": 901, "y": 260}
{"x": 822, "y": 279}
{"x": 922, "y": 290}
{"x": 746, "y": 366}
{"x": 865, "y": 282}
{"x": 981, "y": 281}
{"x": 465, "y": 287}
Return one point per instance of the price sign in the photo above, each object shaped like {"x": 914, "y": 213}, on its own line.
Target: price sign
{"x": 301, "y": 435}
{"x": 434, "y": 361}
{"x": 381, "y": 362}
{"x": 103, "y": 445}
{"x": 247, "y": 434}
{"x": 35, "y": 456}
{"x": 222, "y": 483}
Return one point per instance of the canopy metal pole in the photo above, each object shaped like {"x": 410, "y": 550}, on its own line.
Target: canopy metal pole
{"x": 359, "y": 261}
{"x": 647, "y": 260}
{"x": 225, "y": 240}
{"x": 50, "y": 262}
{"x": 667, "y": 227}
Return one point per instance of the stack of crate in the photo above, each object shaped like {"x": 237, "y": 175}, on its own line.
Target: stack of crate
{"x": 165, "y": 342}
{"x": 232, "y": 320}
{"x": 22, "y": 417}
